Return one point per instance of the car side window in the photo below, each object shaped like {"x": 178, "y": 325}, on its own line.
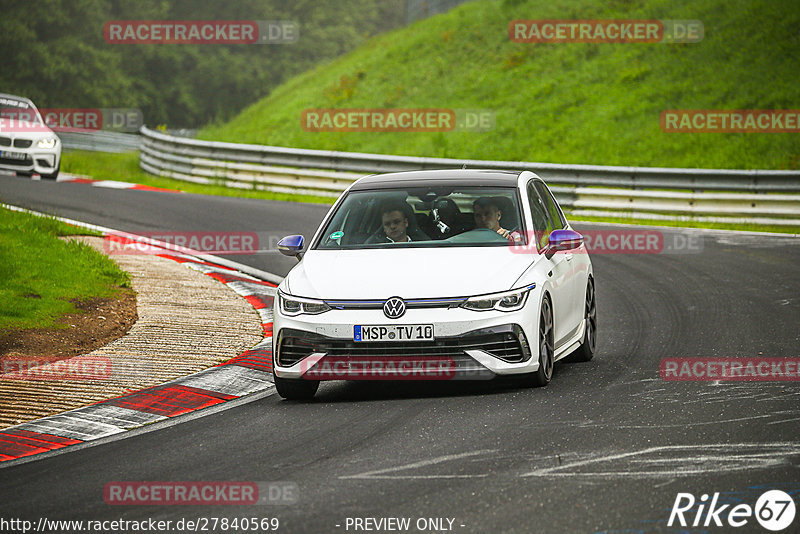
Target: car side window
{"x": 542, "y": 226}
{"x": 552, "y": 208}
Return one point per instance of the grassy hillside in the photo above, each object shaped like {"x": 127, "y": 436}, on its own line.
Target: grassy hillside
{"x": 564, "y": 103}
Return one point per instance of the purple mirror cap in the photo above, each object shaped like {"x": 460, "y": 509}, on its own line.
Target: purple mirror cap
{"x": 565, "y": 238}
{"x": 291, "y": 244}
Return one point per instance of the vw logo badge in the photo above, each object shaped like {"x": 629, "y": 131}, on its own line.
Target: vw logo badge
{"x": 394, "y": 308}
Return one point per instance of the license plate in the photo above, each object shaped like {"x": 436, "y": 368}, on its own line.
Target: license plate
{"x": 404, "y": 332}
{"x": 21, "y": 156}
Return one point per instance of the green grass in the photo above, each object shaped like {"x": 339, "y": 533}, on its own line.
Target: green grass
{"x": 124, "y": 167}
{"x": 562, "y": 103}
{"x": 40, "y": 273}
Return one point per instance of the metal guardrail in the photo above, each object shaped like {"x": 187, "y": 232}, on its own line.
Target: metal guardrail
{"x": 757, "y": 196}
{"x": 100, "y": 141}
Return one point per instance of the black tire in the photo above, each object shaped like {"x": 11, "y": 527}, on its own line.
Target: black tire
{"x": 296, "y": 389}
{"x": 586, "y": 351}
{"x": 543, "y": 375}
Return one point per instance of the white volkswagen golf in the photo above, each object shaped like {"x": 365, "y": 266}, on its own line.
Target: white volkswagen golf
{"x": 435, "y": 275}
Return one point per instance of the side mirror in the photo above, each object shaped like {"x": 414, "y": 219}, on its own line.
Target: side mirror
{"x": 292, "y": 246}
{"x": 563, "y": 240}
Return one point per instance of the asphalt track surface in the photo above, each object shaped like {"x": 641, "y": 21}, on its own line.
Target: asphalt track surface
{"x": 605, "y": 447}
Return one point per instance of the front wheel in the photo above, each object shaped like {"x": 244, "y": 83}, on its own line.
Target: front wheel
{"x": 296, "y": 389}
{"x": 546, "y": 353}
{"x": 585, "y": 352}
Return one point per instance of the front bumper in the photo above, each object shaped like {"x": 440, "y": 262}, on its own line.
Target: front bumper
{"x": 468, "y": 345}
{"x": 36, "y": 160}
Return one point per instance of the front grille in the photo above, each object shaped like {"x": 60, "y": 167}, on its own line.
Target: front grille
{"x": 506, "y": 343}
{"x": 27, "y": 162}
{"x": 22, "y": 143}
{"x": 410, "y": 303}
{"x": 5, "y": 141}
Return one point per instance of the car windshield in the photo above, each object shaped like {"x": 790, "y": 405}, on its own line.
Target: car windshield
{"x": 11, "y": 108}
{"x": 449, "y": 216}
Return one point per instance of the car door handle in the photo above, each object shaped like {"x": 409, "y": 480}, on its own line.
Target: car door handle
{"x": 568, "y": 257}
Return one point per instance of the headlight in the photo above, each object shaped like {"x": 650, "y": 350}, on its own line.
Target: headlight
{"x": 507, "y": 301}
{"x": 292, "y": 306}
{"x": 47, "y": 142}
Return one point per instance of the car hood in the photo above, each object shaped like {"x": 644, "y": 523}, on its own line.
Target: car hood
{"x": 24, "y": 129}
{"x": 407, "y": 273}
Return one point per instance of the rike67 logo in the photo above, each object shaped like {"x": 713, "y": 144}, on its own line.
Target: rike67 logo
{"x": 774, "y": 510}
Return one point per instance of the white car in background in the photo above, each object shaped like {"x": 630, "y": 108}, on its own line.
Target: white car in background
{"x": 453, "y": 298}
{"x": 27, "y": 145}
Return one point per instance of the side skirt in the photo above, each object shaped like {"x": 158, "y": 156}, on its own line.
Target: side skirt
{"x": 572, "y": 342}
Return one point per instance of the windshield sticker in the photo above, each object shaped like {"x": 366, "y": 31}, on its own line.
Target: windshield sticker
{"x": 337, "y": 235}
{"x": 13, "y": 103}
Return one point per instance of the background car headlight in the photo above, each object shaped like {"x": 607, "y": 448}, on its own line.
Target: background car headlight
{"x": 507, "y": 301}
{"x": 292, "y": 306}
{"x": 47, "y": 142}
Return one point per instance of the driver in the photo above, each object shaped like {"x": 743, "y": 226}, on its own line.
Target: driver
{"x": 395, "y": 223}
{"x": 487, "y": 215}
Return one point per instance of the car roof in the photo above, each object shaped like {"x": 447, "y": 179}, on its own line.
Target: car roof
{"x": 433, "y": 178}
